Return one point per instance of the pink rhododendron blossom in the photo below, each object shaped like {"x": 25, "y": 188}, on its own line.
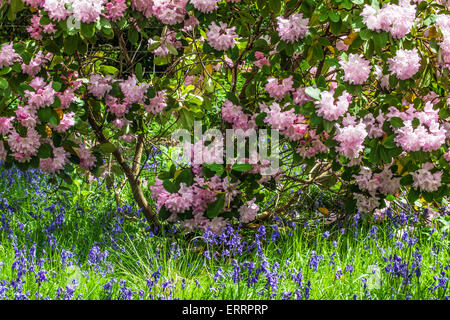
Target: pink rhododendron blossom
{"x": 248, "y": 212}
{"x": 66, "y": 122}
{"x": 331, "y": 110}
{"x": 36, "y": 64}
{"x": 42, "y": 97}
{"x": 5, "y": 125}
{"x": 169, "y": 38}
{"x": 443, "y": 22}
{"x": 99, "y": 85}
{"x": 278, "y": 90}
{"x": 144, "y": 6}
{"x": 356, "y": 69}
{"x": 8, "y": 55}
{"x": 261, "y": 60}
{"x": 220, "y": 37}
{"x": 425, "y": 180}
{"x": 158, "y": 103}
{"x": 293, "y": 28}
{"x": 23, "y": 148}
{"x": 300, "y": 96}
{"x": 132, "y": 91}
{"x": 57, "y": 9}
{"x": 86, "y": 157}
{"x": 351, "y": 138}
{"x": 169, "y": 11}
{"x": 117, "y": 107}
{"x": 87, "y": 11}
{"x": 396, "y": 19}
{"x": 56, "y": 163}
{"x": 115, "y": 9}
{"x": 205, "y": 6}
{"x": 405, "y": 64}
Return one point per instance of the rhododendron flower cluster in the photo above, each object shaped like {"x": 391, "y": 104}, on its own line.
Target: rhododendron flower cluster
{"x": 383, "y": 182}
{"x": 23, "y": 147}
{"x": 293, "y": 28}
{"x": 86, "y": 157}
{"x": 331, "y": 110}
{"x": 405, "y": 64}
{"x": 396, "y": 19}
{"x": 356, "y": 69}
{"x": 248, "y": 212}
{"x": 205, "y": 6}
{"x": 234, "y": 114}
{"x": 133, "y": 91}
{"x": 8, "y": 55}
{"x": 169, "y": 38}
{"x": 425, "y": 180}
{"x": 87, "y": 11}
{"x": 196, "y": 199}
{"x": 115, "y": 9}
{"x": 278, "y": 90}
{"x": 443, "y": 22}
{"x": 169, "y": 11}
{"x": 220, "y": 37}
{"x": 428, "y": 136}
{"x": 56, "y": 163}
{"x": 158, "y": 103}
{"x": 351, "y": 138}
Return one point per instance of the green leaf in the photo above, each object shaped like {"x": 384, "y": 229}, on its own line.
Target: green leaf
{"x": 45, "y": 151}
{"x": 172, "y": 49}
{"x": 215, "y": 208}
{"x": 170, "y": 186}
{"x": 413, "y": 195}
{"x": 186, "y": 176}
{"x": 107, "y": 147}
{"x": 138, "y": 71}
{"x": 397, "y": 122}
{"x": 133, "y": 35}
{"x": 334, "y": 16}
{"x": 164, "y": 214}
{"x": 389, "y": 142}
{"x": 406, "y": 180}
{"x": 3, "y": 83}
{"x": 88, "y": 29}
{"x": 275, "y": 5}
{"x": 241, "y": 167}
{"x": 313, "y": 93}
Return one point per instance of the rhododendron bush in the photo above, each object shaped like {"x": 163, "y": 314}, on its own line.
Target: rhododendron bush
{"x": 358, "y": 91}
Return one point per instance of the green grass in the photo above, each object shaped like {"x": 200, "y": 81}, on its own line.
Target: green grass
{"x": 186, "y": 269}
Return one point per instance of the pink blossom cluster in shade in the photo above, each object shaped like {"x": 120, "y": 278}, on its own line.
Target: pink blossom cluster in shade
{"x": 261, "y": 60}
{"x": 8, "y": 56}
{"x": 196, "y": 198}
{"x": 356, "y": 69}
{"x": 331, "y": 110}
{"x": 157, "y": 104}
{"x": 167, "y": 38}
{"x": 351, "y": 137}
{"x": 395, "y": 19}
{"x": 233, "y": 114}
{"x": 220, "y": 37}
{"x": 383, "y": 182}
{"x": 405, "y": 64}
{"x": 313, "y": 144}
{"x": 248, "y": 212}
{"x": 428, "y": 136}
{"x": 289, "y": 124}
{"x": 56, "y": 163}
{"x": 443, "y": 22}
{"x": 279, "y": 90}
{"x": 115, "y": 9}
{"x": 36, "y": 29}
{"x": 425, "y": 179}
{"x": 292, "y": 29}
